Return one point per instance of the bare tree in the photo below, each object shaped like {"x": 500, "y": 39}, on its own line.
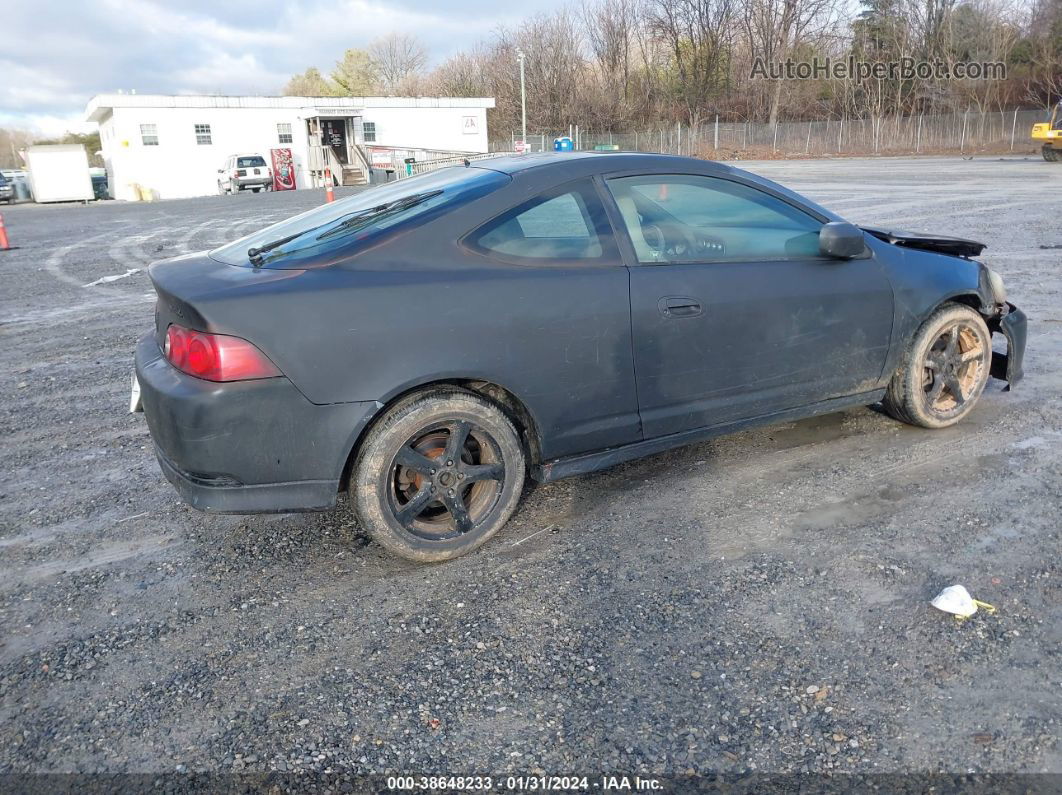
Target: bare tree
{"x": 698, "y": 35}
{"x": 775, "y": 30}
{"x": 462, "y": 75}
{"x": 554, "y": 68}
{"x": 611, "y": 28}
{"x": 1042, "y": 53}
{"x": 397, "y": 57}
{"x": 632, "y": 64}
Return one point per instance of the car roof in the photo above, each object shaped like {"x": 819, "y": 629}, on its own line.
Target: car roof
{"x": 513, "y": 164}
{"x": 546, "y": 169}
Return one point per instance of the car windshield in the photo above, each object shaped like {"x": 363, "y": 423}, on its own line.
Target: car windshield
{"x": 341, "y": 227}
{"x": 250, "y": 162}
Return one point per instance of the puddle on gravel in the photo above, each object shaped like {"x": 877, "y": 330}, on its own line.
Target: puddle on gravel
{"x": 814, "y": 430}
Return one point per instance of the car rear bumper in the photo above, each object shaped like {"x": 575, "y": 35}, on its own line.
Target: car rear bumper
{"x": 245, "y": 446}
{"x": 253, "y": 182}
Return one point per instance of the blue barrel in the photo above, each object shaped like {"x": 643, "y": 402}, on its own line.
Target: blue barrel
{"x": 563, "y": 144}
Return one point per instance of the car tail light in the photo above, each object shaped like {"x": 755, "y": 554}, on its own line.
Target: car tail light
{"x": 216, "y": 357}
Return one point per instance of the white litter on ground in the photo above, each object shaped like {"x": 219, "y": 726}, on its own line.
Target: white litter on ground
{"x": 957, "y": 600}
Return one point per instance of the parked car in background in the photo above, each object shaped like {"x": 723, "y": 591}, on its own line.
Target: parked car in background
{"x": 244, "y": 172}
{"x": 19, "y": 180}
{"x": 7, "y": 190}
{"x": 427, "y": 343}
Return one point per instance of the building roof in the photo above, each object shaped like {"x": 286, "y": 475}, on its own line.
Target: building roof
{"x": 101, "y": 105}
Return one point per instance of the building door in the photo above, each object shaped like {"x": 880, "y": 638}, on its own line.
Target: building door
{"x": 334, "y": 135}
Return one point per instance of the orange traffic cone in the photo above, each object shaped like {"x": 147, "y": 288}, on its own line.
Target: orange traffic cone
{"x": 4, "y": 244}
{"x": 329, "y": 195}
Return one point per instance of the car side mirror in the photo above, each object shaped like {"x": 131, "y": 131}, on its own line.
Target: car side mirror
{"x": 841, "y": 240}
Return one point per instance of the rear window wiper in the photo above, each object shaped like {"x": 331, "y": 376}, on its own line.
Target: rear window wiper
{"x": 254, "y": 254}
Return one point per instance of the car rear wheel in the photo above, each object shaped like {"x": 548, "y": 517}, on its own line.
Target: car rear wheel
{"x": 944, "y": 371}
{"x": 438, "y": 475}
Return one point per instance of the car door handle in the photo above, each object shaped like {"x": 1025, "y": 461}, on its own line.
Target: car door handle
{"x": 679, "y": 306}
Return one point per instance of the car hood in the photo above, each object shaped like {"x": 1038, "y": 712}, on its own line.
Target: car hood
{"x": 941, "y": 244}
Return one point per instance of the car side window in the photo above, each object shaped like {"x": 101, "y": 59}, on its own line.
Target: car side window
{"x": 564, "y": 224}
{"x": 693, "y": 219}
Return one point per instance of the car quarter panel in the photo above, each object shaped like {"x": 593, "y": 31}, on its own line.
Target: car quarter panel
{"x": 254, "y": 432}
{"x": 557, "y": 338}
{"x": 422, "y": 308}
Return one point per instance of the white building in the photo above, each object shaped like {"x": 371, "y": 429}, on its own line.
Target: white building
{"x": 173, "y": 146}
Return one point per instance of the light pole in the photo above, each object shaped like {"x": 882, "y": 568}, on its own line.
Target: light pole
{"x": 523, "y": 99}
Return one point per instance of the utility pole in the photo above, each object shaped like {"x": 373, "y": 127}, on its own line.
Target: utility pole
{"x": 523, "y": 98}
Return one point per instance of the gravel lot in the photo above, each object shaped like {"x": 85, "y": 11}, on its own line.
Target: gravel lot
{"x": 754, "y": 603}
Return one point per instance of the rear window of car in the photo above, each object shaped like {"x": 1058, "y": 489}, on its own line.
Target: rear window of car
{"x": 557, "y": 226}
{"x": 341, "y": 227}
{"x": 250, "y": 162}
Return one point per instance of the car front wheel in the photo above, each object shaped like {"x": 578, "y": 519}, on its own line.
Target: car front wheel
{"x": 438, "y": 475}
{"x": 944, "y": 371}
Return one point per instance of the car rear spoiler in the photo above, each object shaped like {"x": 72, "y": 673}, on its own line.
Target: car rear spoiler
{"x": 955, "y": 246}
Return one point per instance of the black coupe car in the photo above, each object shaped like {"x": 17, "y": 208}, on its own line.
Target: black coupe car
{"x": 426, "y": 343}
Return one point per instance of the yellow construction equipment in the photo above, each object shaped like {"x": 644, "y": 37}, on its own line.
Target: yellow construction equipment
{"x": 1050, "y": 133}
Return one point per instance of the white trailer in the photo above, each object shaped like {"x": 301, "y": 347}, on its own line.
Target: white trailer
{"x": 59, "y": 173}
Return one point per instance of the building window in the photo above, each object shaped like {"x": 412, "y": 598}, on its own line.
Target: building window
{"x": 284, "y": 133}
{"x": 369, "y": 131}
{"x": 202, "y": 134}
{"x": 149, "y": 134}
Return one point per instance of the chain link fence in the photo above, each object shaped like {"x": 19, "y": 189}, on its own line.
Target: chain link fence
{"x": 972, "y": 131}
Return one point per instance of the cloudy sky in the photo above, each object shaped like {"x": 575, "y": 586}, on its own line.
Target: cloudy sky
{"x": 57, "y": 54}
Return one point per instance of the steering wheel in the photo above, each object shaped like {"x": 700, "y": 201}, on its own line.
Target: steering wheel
{"x": 672, "y": 242}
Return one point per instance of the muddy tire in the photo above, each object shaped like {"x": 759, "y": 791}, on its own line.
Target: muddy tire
{"x": 944, "y": 370}
{"x": 1051, "y": 155}
{"x": 438, "y": 475}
